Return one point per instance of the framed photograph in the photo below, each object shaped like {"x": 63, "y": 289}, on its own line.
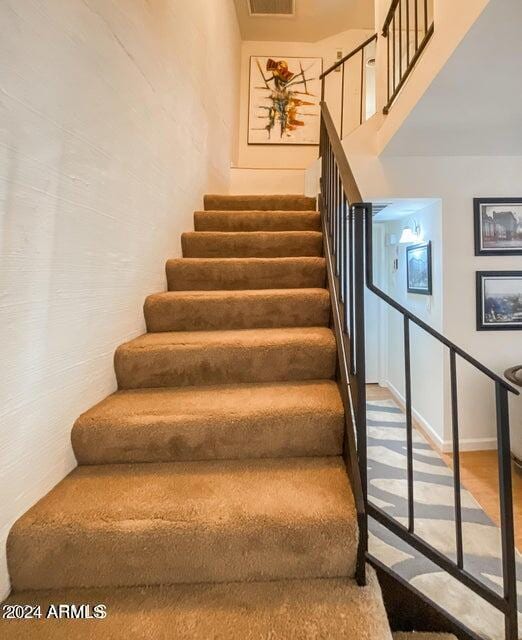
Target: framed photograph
{"x": 284, "y": 100}
{"x": 418, "y": 268}
{"x": 498, "y": 226}
{"x": 499, "y": 300}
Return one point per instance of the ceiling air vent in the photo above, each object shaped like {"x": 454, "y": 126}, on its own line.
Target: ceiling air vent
{"x": 271, "y": 7}
{"x": 377, "y": 207}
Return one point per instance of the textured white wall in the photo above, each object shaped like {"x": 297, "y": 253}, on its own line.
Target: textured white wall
{"x": 115, "y": 118}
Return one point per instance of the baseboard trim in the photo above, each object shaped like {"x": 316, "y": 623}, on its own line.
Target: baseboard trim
{"x": 424, "y": 426}
{"x": 442, "y": 446}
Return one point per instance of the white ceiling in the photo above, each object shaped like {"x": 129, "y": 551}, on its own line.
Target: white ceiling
{"x": 313, "y": 20}
{"x": 473, "y": 107}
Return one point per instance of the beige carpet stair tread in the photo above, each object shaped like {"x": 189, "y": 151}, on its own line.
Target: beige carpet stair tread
{"x": 248, "y": 309}
{"x": 334, "y": 609}
{"x": 251, "y": 244}
{"x": 257, "y": 221}
{"x": 414, "y": 635}
{"x": 214, "y": 202}
{"x": 206, "y": 274}
{"x": 205, "y": 423}
{"x": 123, "y": 525}
{"x": 181, "y": 358}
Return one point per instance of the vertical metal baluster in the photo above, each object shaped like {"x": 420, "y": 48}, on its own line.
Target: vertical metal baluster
{"x": 360, "y": 358}
{"x": 362, "y": 85}
{"x": 456, "y": 459}
{"x": 330, "y": 197}
{"x": 389, "y": 74}
{"x": 425, "y": 17}
{"x": 332, "y": 192}
{"x": 332, "y": 179}
{"x": 409, "y": 424}
{"x": 325, "y": 177}
{"x": 342, "y": 285}
{"x": 416, "y": 25}
{"x": 394, "y": 55}
{"x": 321, "y": 157}
{"x": 506, "y": 512}
{"x": 351, "y": 292}
{"x": 408, "y": 33}
{"x": 326, "y": 144}
{"x": 339, "y": 222}
{"x": 323, "y": 169}
{"x": 400, "y": 40}
{"x": 342, "y": 100}
{"x": 336, "y": 206}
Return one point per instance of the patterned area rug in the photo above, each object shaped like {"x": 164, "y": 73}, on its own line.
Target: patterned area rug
{"x": 434, "y": 522}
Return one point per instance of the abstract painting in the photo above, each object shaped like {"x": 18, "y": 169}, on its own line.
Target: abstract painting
{"x": 284, "y": 100}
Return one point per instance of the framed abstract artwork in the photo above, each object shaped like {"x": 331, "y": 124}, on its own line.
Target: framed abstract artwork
{"x": 418, "y": 268}
{"x": 499, "y": 300}
{"x": 284, "y": 96}
{"x": 498, "y": 226}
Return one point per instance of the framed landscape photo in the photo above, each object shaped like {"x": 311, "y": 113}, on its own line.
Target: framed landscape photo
{"x": 418, "y": 268}
{"x": 499, "y": 300}
{"x": 498, "y": 226}
{"x": 283, "y": 107}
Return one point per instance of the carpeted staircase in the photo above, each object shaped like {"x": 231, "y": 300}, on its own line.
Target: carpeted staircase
{"x": 211, "y": 500}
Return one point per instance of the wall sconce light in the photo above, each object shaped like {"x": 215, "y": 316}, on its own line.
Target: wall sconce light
{"x": 410, "y": 234}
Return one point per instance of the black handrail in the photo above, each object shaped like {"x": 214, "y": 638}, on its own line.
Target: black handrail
{"x": 403, "y": 17}
{"x": 347, "y": 57}
{"x": 348, "y": 240}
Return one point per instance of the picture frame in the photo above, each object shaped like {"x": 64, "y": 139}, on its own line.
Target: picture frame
{"x": 294, "y": 121}
{"x": 499, "y": 300}
{"x": 418, "y": 268}
{"x": 498, "y": 226}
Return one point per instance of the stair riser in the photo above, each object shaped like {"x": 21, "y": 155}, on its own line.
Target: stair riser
{"x": 276, "y": 610}
{"x": 197, "y": 314}
{"x": 251, "y": 245}
{"x": 178, "y": 366}
{"x": 227, "y": 437}
{"x": 256, "y": 221}
{"x": 193, "y": 275}
{"x": 258, "y": 203}
{"x": 151, "y": 553}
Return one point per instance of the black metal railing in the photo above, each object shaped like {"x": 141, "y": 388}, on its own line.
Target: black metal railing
{"x": 347, "y": 226}
{"x": 345, "y": 266}
{"x": 361, "y": 56}
{"x": 408, "y": 28}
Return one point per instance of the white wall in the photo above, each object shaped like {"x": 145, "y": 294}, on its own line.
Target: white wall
{"x": 456, "y": 181}
{"x": 287, "y": 158}
{"x": 427, "y": 356}
{"x": 115, "y": 118}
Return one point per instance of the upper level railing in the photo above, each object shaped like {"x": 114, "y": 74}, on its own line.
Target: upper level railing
{"x": 408, "y": 28}
{"x": 347, "y": 225}
{"x": 354, "y": 92}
